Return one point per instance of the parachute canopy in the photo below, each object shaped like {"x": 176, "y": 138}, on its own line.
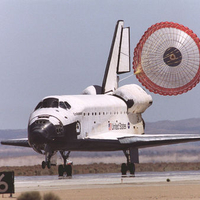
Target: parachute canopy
{"x": 167, "y": 59}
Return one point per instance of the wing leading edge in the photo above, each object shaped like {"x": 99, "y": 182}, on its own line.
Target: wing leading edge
{"x": 23, "y": 142}
{"x": 144, "y": 141}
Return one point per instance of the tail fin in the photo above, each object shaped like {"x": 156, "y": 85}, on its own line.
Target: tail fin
{"x": 119, "y": 58}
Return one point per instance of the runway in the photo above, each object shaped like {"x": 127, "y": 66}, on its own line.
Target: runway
{"x": 43, "y": 183}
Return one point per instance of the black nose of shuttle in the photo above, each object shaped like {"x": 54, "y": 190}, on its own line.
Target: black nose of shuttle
{"x": 40, "y": 132}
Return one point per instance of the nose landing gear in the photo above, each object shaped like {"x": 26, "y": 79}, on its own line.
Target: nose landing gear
{"x": 46, "y": 163}
{"x": 48, "y": 154}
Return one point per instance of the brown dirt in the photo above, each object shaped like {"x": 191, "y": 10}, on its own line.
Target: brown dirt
{"x": 102, "y": 168}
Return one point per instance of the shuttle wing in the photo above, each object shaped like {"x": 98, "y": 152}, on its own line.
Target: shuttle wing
{"x": 23, "y": 142}
{"x": 119, "y": 58}
{"x": 136, "y": 141}
{"x": 143, "y": 141}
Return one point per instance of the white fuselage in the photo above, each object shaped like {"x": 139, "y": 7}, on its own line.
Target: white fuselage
{"x": 98, "y": 116}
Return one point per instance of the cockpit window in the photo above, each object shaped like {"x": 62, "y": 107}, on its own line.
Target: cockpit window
{"x": 48, "y": 103}
{"x": 39, "y": 105}
{"x": 64, "y": 105}
{"x": 53, "y": 103}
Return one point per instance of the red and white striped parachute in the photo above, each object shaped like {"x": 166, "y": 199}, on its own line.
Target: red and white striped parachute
{"x": 167, "y": 59}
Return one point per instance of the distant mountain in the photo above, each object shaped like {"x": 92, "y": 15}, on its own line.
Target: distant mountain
{"x": 187, "y": 126}
{"x": 12, "y": 134}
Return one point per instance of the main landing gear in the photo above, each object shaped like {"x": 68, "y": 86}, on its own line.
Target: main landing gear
{"x": 65, "y": 169}
{"x": 128, "y": 166}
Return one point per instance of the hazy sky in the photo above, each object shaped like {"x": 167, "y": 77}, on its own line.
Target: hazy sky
{"x": 61, "y": 47}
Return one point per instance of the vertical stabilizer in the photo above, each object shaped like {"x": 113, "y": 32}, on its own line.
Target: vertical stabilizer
{"x": 124, "y": 56}
{"x": 119, "y": 58}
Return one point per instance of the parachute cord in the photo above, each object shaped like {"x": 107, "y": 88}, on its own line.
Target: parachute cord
{"x": 126, "y": 78}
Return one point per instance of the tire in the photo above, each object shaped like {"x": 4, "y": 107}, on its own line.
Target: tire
{"x": 43, "y": 164}
{"x": 48, "y": 164}
{"x": 60, "y": 170}
{"x": 69, "y": 170}
{"x": 123, "y": 168}
{"x": 132, "y": 168}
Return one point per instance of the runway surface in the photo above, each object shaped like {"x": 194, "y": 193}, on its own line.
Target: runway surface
{"x": 43, "y": 183}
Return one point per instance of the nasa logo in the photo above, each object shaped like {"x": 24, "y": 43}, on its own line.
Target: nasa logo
{"x": 116, "y": 126}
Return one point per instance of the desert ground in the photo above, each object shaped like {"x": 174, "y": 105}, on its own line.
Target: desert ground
{"x": 162, "y": 191}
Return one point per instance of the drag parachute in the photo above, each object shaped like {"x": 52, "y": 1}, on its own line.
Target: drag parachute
{"x": 167, "y": 59}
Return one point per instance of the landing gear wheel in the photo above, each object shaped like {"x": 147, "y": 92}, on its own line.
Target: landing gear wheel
{"x": 67, "y": 167}
{"x": 130, "y": 166}
{"x": 69, "y": 170}
{"x": 123, "y": 169}
{"x": 43, "y": 164}
{"x": 48, "y": 164}
{"x": 60, "y": 170}
{"x": 132, "y": 169}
